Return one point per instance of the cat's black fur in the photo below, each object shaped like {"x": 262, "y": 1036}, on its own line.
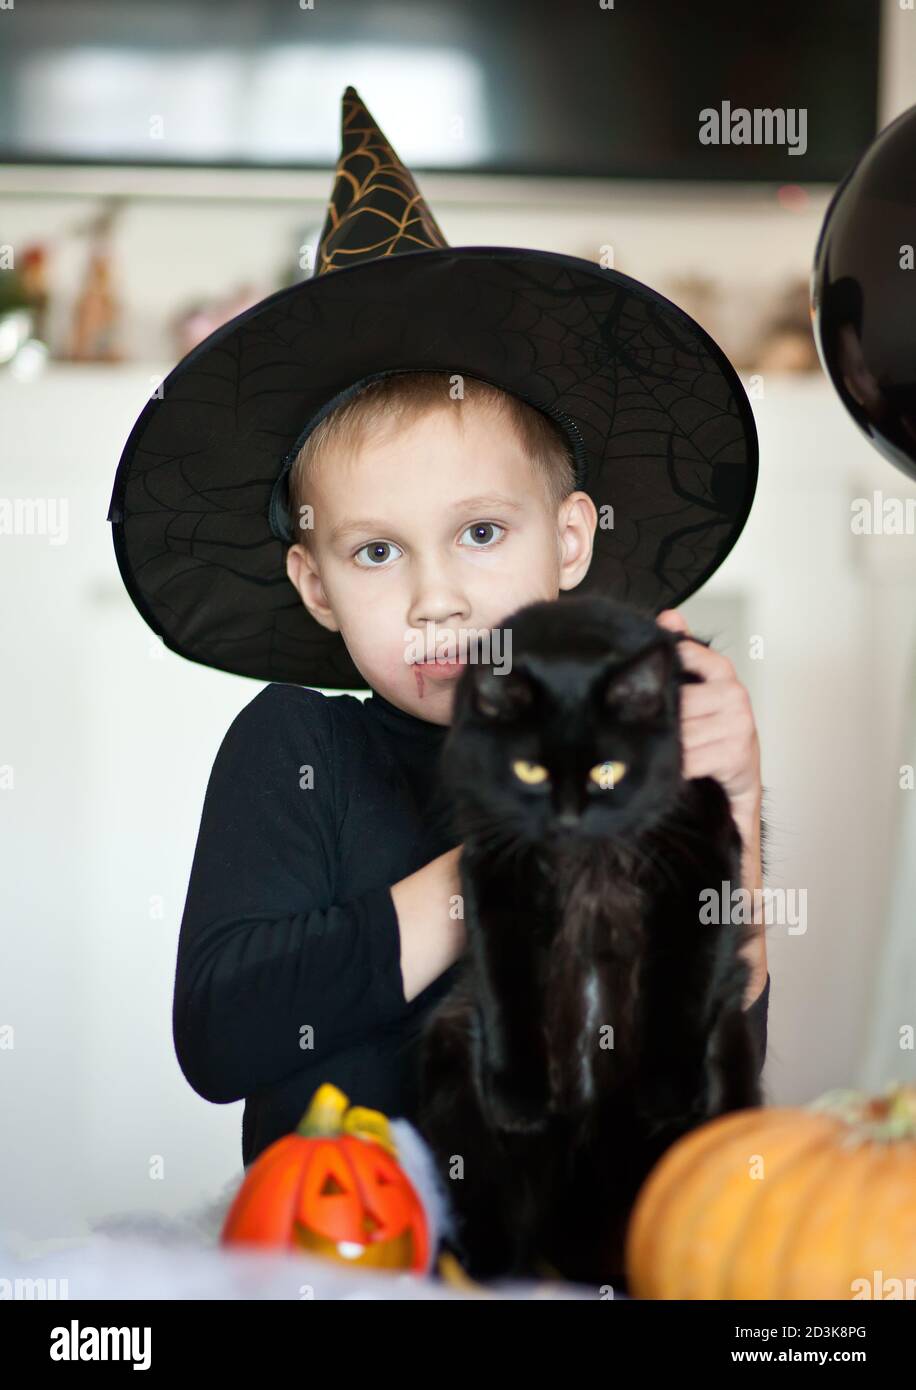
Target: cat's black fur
{"x": 542, "y": 1122}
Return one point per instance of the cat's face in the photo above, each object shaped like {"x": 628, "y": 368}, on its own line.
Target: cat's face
{"x": 580, "y": 736}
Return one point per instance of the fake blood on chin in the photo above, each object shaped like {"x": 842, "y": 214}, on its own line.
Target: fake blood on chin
{"x": 438, "y": 671}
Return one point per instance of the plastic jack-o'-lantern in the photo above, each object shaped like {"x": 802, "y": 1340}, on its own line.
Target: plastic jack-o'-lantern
{"x": 334, "y": 1188}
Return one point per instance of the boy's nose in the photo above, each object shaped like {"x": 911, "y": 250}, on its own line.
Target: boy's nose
{"x": 437, "y": 592}
{"x": 445, "y": 610}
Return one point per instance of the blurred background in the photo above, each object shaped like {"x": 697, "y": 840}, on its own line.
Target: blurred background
{"x": 163, "y": 167}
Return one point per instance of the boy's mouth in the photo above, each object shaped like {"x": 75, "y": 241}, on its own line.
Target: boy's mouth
{"x": 439, "y": 670}
{"x": 436, "y": 671}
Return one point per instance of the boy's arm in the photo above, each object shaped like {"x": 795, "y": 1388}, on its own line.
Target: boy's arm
{"x": 752, "y": 879}
{"x": 757, "y": 995}
{"x": 269, "y": 976}
{"x": 719, "y": 739}
{"x": 431, "y": 940}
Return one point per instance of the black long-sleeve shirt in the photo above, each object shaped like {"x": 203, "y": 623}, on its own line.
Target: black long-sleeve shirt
{"x": 288, "y": 970}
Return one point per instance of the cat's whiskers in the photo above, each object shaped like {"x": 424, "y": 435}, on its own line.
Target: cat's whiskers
{"x": 495, "y": 838}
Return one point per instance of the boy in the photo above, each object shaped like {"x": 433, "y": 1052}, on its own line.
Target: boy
{"x": 296, "y": 964}
{"x": 402, "y": 449}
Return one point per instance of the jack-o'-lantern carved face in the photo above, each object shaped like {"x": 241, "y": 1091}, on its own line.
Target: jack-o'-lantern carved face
{"x": 356, "y": 1205}
{"x": 333, "y": 1188}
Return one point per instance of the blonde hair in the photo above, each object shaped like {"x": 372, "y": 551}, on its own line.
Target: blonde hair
{"x": 404, "y": 397}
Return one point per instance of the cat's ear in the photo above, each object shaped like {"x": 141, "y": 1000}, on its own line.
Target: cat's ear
{"x": 636, "y": 690}
{"x": 500, "y": 697}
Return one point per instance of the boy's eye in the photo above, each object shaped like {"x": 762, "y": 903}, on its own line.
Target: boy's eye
{"x": 377, "y": 554}
{"x": 486, "y": 528}
{"x": 607, "y": 774}
{"x": 529, "y": 773}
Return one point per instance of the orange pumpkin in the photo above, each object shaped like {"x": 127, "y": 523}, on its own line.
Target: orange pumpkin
{"x": 334, "y": 1187}
{"x": 810, "y": 1202}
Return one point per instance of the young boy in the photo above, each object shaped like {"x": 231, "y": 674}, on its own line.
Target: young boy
{"x": 317, "y": 931}
{"x": 330, "y": 492}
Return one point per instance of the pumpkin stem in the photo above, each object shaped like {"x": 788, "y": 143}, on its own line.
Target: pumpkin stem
{"x": 370, "y": 1124}
{"x": 889, "y": 1116}
{"x": 325, "y": 1112}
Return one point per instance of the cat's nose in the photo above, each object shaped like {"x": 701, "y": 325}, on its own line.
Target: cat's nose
{"x": 568, "y": 819}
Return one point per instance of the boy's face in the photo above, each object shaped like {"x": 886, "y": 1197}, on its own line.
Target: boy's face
{"x": 435, "y": 530}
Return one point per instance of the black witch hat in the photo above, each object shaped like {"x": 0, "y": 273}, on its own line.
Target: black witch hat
{"x": 659, "y": 426}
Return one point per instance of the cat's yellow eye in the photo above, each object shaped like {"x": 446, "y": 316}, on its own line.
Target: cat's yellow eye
{"x": 608, "y": 774}
{"x": 529, "y": 773}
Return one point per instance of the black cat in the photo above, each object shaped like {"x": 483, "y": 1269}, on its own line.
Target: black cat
{"x": 594, "y": 1019}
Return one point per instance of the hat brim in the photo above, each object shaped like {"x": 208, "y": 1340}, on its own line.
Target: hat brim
{"x": 666, "y": 436}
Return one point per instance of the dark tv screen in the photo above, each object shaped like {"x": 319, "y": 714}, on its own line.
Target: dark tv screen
{"x": 546, "y": 87}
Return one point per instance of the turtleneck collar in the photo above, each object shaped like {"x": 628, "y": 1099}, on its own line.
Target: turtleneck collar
{"x": 401, "y": 721}
{"x": 417, "y": 744}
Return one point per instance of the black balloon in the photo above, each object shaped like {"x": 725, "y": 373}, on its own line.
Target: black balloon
{"x": 863, "y": 292}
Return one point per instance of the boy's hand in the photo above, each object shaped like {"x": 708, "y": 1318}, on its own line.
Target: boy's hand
{"x": 718, "y": 732}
